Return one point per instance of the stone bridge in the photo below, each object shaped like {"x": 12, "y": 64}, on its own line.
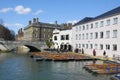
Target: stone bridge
{"x": 32, "y": 45}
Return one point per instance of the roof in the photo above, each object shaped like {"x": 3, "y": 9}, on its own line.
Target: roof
{"x": 84, "y": 20}
{"x": 104, "y": 15}
{"x": 109, "y": 13}
{"x": 41, "y": 24}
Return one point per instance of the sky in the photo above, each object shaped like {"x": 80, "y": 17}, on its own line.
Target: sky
{"x": 15, "y": 14}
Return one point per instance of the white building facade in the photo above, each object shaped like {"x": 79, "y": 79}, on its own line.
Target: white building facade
{"x": 101, "y": 33}
{"x": 62, "y": 39}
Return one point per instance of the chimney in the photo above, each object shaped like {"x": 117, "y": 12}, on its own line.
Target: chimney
{"x": 30, "y": 22}
{"x": 34, "y": 20}
{"x": 37, "y": 20}
{"x": 21, "y": 30}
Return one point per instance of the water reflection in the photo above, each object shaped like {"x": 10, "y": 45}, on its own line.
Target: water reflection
{"x": 21, "y": 67}
{"x": 22, "y": 49}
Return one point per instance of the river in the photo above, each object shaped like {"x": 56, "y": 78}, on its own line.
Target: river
{"x": 21, "y": 67}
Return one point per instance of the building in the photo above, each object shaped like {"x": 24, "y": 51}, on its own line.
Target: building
{"x": 66, "y": 26}
{"x": 19, "y": 36}
{"x": 101, "y": 33}
{"x": 62, "y": 39}
{"x": 39, "y": 31}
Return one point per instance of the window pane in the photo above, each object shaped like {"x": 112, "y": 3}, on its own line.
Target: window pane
{"x": 101, "y": 34}
{"x": 115, "y": 20}
{"x": 67, "y": 37}
{"x": 91, "y": 25}
{"x": 55, "y": 37}
{"x": 107, "y": 34}
{"x": 101, "y": 46}
{"x": 95, "y": 46}
{"x": 76, "y": 36}
{"x": 91, "y": 35}
{"x": 101, "y": 23}
{"x": 115, "y": 47}
{"x": 96, "y": 24}
{"x": 114, "y": 33}
{"x": 96, "y": 35}
{"x": 86, "y": 35}
{"x": 108, "y": 22}
{"x": 82, "y": 36}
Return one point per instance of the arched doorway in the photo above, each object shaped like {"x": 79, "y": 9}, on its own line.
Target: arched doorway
{"x": 61, "y": 47}
{"x": 69, "y": 47}
{"x": 65, "y": 47}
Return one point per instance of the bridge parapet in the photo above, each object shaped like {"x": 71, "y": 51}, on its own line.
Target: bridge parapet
{"x": 13, "y": 44}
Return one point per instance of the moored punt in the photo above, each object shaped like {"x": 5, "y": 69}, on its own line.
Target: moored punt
{"x": 61, "y": 57}
{"x": 115, "y": 77}
{"x": 104, "y": 68}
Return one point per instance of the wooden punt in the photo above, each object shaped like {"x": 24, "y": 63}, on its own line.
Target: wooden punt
{"x": 104, "y": 68}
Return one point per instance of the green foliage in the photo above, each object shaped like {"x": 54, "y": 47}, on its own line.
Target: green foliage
{"x": 48, "y": 43}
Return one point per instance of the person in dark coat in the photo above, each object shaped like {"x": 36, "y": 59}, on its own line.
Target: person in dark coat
{"x": 82, "y": 51}
{"x": 94, "y": 52}
{"x": 104, "y": 53}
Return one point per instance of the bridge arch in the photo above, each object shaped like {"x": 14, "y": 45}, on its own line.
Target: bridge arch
{"x": 32, "y": 48}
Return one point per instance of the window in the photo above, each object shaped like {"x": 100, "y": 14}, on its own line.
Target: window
{"x": 82, "y": 36}
{"x": 76, "y": 28}
{"x": 96, "y": 46}
{"x": 86, "y": 46}
{"x": 79, "y": 36}
{"x": 91, "y": 35}
{"x": 83, "y": 27}
{"x": 107, "y": 34}
{"x": 83, "y": 45}
{"x": 96, "y": 35}
{"x": 101, "y": 46}
{"x": 115, "y": 20}
{"x": 107, "y": 47}
{"x": 101, "y": 34}
{"x": 91, "y": 26}
{"x": 55, "y": 37}
{"x": 101, "y": 23}
{"x": 67, "y": 37}
{"x": 76, "y": 37}
{"x": 62, "y": 37}
{"x": 115, "y": 47}
{"x": 108, "y": 22}
{"x": 87, "y": 27}
{"x": 86, "y": 35}
{"x": 79, "y": 45}
{"x": 91, "y": 46}
{"x": 79, "y": 28}
{"x": 96, "y": 24}
{"x": 76, "y": 45}
{"x": 114, "y": 33}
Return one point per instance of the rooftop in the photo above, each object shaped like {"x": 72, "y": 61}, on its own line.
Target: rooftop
{"x": 104, "y": 15}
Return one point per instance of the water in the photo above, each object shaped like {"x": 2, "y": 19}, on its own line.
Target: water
{"x": 22, "y": 67}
